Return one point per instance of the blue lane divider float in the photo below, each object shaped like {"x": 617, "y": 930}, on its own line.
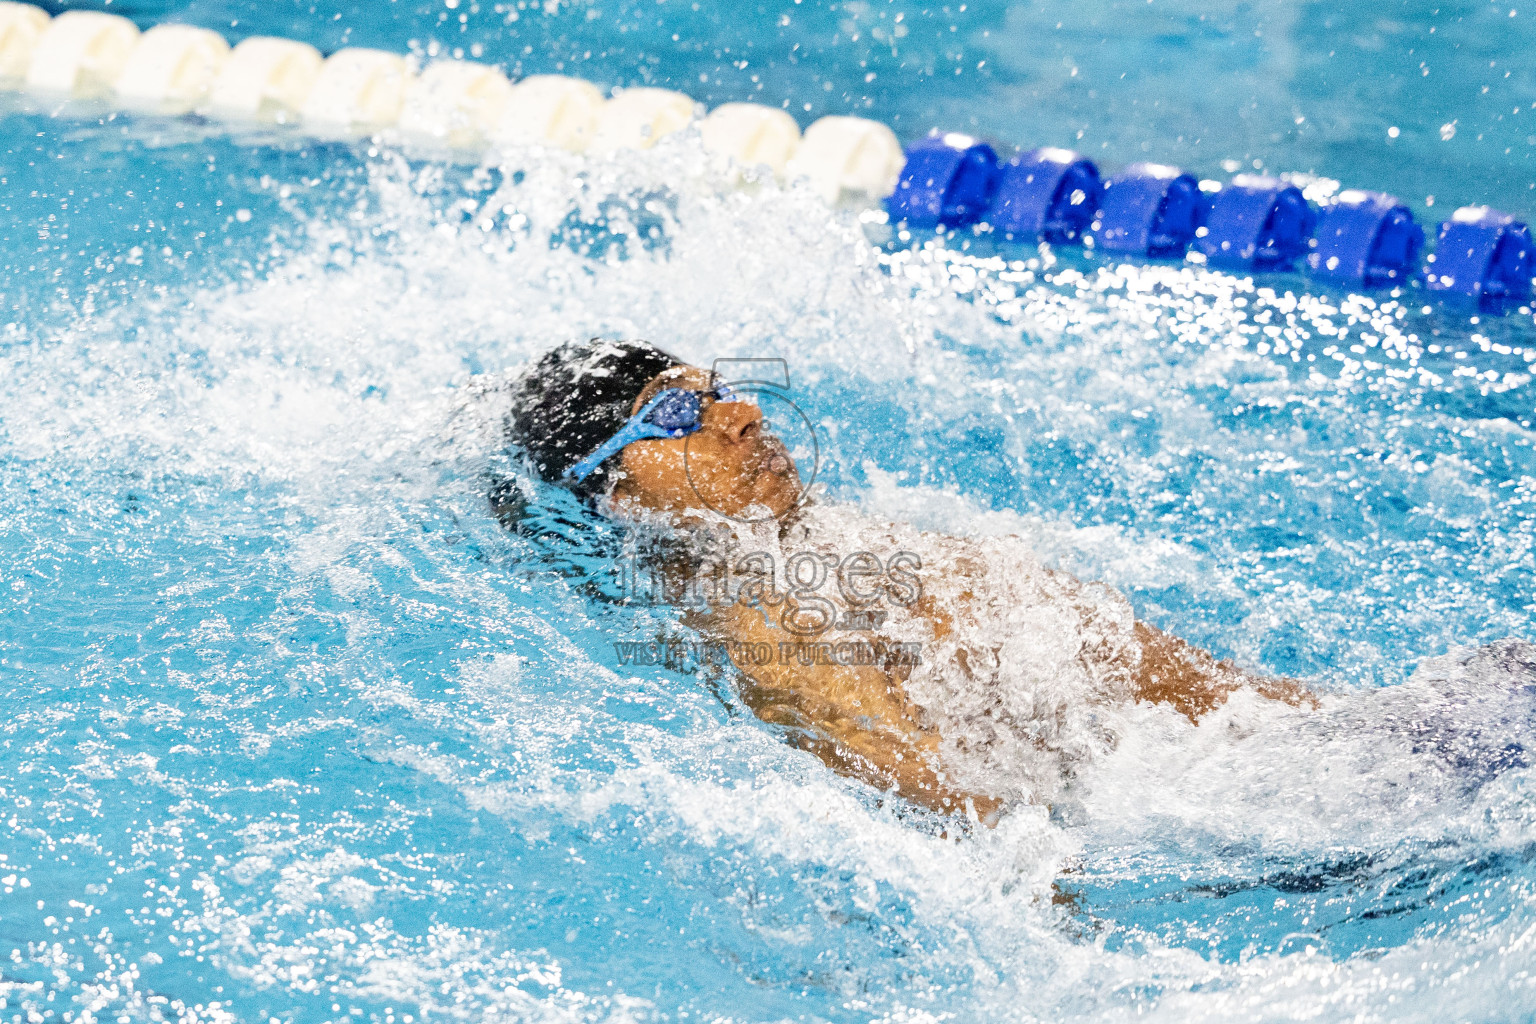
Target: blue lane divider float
{"x": 1151, "y": 210}
{"x": 1256, "y": 223}
{"x": 947, "y": 181}
{"x": 1484, "y": 255}
{"x": 1368, "y": 238}
{"x": 1049, "y": 193}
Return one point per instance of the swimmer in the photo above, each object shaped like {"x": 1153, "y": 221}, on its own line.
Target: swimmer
{"x": 959, "y": 674}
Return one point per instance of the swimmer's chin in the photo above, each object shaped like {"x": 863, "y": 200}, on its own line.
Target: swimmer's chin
{"x": 777, "y": 484}
{"x": 776, "y": 494}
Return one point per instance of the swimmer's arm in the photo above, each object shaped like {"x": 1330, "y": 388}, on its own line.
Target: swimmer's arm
{"x": 1170, "y": 670}
{"x": 1195, "y": 682}
{"x": 893, "y": 760}
{"x": 855, "y": 718}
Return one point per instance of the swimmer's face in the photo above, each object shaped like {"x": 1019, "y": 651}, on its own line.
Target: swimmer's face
{"x": 729, "y": 465}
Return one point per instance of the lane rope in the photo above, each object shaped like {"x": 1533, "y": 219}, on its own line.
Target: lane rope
{"x": 945, "y": 181}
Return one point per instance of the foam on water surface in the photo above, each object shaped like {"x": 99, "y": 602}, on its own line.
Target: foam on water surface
{"x": 292, "y": 727}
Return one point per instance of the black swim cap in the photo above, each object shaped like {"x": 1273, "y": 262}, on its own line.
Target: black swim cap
{"x": 575, "y": 398}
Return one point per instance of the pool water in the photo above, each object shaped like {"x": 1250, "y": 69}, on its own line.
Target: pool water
{"x": 293, "y": 730}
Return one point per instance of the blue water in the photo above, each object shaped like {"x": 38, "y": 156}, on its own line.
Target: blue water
{"x": 293, "y": 730}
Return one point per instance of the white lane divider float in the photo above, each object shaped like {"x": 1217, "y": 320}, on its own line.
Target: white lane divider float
{"x": 175, "y": 69}
{"x": 456, "y": 103}
{"x": 639, "y": 118}
{"x": 81, "y": 55}
{"x": 849, "y": 158}
{"x": 265, "y": 79}
{"x": 21, "y": 26}
{"x": 752, "y": 135}
{"x": 550, "y": 110}
{"x": 172, "y": 68}
{"x": 359, "y": 91}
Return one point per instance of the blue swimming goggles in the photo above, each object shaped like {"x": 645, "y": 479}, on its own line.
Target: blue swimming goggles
{"x": 674, "y": 412}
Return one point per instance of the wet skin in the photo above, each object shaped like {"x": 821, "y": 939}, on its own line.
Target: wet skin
{"x": 730, "y": 464}
{"x": 857, "y": 719}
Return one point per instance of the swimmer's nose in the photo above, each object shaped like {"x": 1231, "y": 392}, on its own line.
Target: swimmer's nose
{"x": 738, "y": 421}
